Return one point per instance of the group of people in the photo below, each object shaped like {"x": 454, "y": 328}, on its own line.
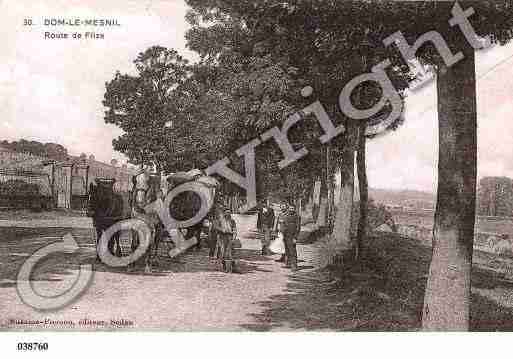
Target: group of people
{"x": 279, "y": 234}
{"x": 281, "y": 231}
{"x": 285, "y": 227}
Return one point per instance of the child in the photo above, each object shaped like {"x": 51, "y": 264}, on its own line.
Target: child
{"x": 225, "y": 228}
{"x": 235, "y": 239}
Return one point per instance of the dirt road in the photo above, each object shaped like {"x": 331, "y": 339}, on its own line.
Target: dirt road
{"x": 384, "y": 291}
{"x": 184, "y": 294}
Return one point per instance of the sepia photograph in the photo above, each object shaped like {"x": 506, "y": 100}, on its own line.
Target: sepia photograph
{"x": 219, "y": 166}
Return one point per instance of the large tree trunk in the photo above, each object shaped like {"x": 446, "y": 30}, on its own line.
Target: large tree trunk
{"x": 323, "y": 206}
{"x": 363, "y": 187}
{"x": 331, "y": 190}
{"x": 447, "y": 298}
{"x": 341, "y": 236}
{"x": 316, "y": 200}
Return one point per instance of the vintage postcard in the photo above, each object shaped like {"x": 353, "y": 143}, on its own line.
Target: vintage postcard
{"x": 255, "y": 166}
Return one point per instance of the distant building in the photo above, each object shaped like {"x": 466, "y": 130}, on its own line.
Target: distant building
{"x": 67, "y": 182}
{"x": 122, "y": 174}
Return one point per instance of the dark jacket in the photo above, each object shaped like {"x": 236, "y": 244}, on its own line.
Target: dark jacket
{"x": 267, "y": 218}
{"x": 290, "y": 223}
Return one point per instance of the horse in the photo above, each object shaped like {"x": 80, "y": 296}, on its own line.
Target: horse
{"x": 147, "y": 190}
{"x": 105, "y": 207}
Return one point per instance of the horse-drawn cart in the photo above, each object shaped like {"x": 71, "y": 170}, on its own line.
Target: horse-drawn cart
{"x": 174, "y": 209}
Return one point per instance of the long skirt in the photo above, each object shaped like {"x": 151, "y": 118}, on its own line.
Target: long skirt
{"x": 277, "y": 245}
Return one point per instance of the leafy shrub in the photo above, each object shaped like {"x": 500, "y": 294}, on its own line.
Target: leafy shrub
{"x": 377, "y": 216}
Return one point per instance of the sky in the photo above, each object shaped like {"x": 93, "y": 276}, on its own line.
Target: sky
{"x": 52, "y": 90}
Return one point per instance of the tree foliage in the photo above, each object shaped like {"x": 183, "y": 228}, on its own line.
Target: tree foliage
{"x": 144, "y": 106}
{"x": 49, "y": 150}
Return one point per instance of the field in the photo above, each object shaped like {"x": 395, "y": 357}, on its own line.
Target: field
{"x": 483, "y": 224}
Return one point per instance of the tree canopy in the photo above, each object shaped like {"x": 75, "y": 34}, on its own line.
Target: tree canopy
{"x": 50, "y": 150}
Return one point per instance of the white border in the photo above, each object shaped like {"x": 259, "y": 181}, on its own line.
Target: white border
{"x": 260, "y": 345}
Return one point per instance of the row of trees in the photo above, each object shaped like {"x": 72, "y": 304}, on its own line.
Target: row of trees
{"x": 49, "y": 150}
{"x": 256, "y": 57}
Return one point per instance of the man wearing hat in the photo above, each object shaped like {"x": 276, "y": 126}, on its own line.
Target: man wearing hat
{"x": 266, "y": 216}
{"x": 225, "y": 230}
{"x": 290, "y": 226}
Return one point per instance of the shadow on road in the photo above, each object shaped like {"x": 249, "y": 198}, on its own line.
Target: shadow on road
{"x": 18, "y": 244}
{"x": 192, "y": 262}
{"x": 383, "y": 292}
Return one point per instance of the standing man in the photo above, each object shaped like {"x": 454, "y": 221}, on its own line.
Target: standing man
{"x": 224, "y": 228}
{"x": 290, "y": 226}
{"x": 267, "y": 223}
